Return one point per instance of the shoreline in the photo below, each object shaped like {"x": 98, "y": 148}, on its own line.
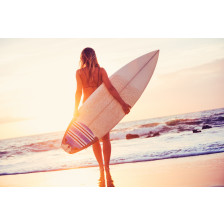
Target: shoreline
{"x": 191, "y": 171}
{"x": 112, "y": 164}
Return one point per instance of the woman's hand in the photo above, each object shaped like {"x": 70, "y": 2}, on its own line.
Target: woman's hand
{"x": 126, "y": 108}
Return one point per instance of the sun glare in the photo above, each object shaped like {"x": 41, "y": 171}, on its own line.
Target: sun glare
{"x": 37, "y": 88}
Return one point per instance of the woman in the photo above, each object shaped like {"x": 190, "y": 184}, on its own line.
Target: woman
{"x": 89, "y": 77}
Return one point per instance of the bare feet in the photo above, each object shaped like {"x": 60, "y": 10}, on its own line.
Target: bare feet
{"x": 101, "y": 181}
{"x": 110, "y": 182}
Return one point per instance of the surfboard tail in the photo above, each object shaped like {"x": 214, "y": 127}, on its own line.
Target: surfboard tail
{"x": 77, "y": 137}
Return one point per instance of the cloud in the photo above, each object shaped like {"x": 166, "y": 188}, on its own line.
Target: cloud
{"x": 192, "y": 89}
{"x": 211, "y": 68}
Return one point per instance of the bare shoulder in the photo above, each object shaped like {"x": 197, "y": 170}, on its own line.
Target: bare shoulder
{"x": 103, "y": 71}
{"x": 78, "y": 73}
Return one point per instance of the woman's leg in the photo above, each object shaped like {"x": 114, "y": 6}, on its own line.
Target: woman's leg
{"x": 106, "y": 150}
{"x": 106, "y": 155}
{"x": 98, "y": 154}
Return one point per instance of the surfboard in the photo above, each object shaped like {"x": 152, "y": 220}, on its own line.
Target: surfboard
{"x": 101, "y": 112}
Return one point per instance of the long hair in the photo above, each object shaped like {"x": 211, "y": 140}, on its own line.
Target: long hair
{"x": 88, "y": 59}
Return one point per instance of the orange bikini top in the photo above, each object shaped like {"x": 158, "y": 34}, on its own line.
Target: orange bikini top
{"x": 91, "y": 83}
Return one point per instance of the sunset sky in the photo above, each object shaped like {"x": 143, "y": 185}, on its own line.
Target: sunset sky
{"x": 37, "y": 79}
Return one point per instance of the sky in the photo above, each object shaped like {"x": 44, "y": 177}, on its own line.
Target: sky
{"x": 37, "y": 79}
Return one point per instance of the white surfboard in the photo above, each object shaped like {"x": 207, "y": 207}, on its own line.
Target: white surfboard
{"x": 101, "y": 112}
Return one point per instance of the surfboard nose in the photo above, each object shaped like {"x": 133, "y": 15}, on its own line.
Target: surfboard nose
{"x": 151, "y": 54}
{"x": 156, "y": 52}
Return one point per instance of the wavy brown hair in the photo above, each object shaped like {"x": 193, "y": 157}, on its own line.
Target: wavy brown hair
{"x": 88, "y": 59}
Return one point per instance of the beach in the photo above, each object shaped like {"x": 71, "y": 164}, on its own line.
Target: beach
{"x": 165, "y": 153}
{"x": 193, "y": 171}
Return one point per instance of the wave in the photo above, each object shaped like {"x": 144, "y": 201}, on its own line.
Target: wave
{"x": 161, "y": 138}
{"x": 44, "y": 146}
{"x": 147, "y": 129}
{"x": 143, "y": 129}
{"x": 132, "y": 158}
{"x": 173, "y": 126}
{"x": 184, "y": 122}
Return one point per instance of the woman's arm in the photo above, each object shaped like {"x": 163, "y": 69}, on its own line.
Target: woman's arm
{"x": 78, "y": 93}
{"x": 126, "y": 108}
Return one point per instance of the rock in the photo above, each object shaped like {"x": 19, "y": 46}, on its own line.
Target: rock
{"x": 220, "y": 118}
{"x": 156, "y": 134}
{"x": 131, "y": 136}
{"x": 151, "y": 134}
{"x": 196, "y": 130}
{"x": 206, "y": 126}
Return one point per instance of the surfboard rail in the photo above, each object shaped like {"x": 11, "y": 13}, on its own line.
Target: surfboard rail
{"x": 101, "y": 112}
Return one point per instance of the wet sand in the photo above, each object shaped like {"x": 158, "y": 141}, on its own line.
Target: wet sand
{"x": 194, "y": 171}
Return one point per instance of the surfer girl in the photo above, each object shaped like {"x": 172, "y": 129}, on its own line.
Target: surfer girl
{"x": 89, "y": 77}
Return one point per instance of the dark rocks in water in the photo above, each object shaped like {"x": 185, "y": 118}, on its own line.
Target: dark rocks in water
{"x": 151, "y": 134}
{"x": 156, "y": 134}
{"x": 176, "y": 122}
{"x": 206, "y": 126}
{"x": 220, "y": 119}
{"x": 131, "y": 136}
{"x": 183, "y": 122}
{"x": 148, "y": 125}
{"x": 196, "y": 130}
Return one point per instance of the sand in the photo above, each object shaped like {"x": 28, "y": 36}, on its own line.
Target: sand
{"x": 194, "y": 171}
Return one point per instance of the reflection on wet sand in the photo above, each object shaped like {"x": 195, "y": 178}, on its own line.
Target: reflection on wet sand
{"x": 102, "y": 181}
{"x": 110, "y": 183}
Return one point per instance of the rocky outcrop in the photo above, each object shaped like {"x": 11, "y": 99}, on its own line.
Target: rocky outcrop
{"x": 196, "y": 130}
{"x": 220, "y": 119}
{"x": 131, "y": 136}
{"x": 206, "y": 126}
{"x": 151, "y": 134}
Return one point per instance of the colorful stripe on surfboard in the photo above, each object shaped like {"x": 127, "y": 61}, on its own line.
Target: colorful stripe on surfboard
{"x": 77, "y": 137}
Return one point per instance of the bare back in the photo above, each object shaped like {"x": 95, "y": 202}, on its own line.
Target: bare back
{"x": 90, "y": 84}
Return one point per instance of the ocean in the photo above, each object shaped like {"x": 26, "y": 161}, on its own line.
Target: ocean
{"x": 157, "y": 138}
